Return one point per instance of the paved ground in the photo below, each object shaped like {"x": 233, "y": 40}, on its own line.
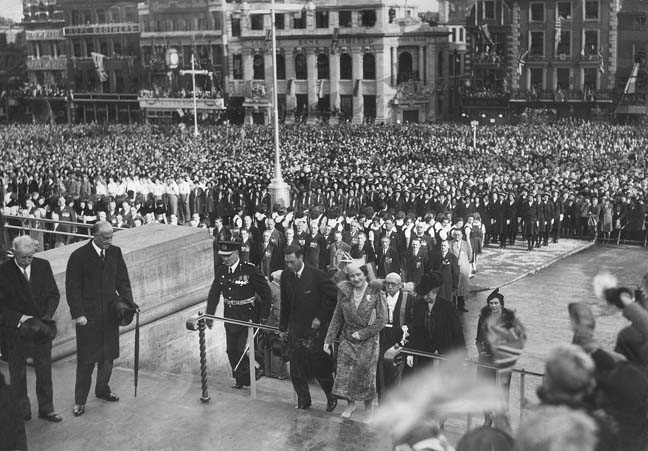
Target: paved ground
{"x": 167, "y": 415}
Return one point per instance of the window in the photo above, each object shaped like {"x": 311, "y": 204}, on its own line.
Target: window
{"x": 103, "y": 47}
{"x": 537, "y": 12}
{"x": 640, "y": 20}
{"x": 368, "y": 17}
{"x": 369, "y": 103}
{"x": 280, "y": 21}
{"x": 89, "y": 47}
{"x": 461, "y": 34}
{"x": 236, "y": 26}
{"x": 392, "y": 15}
{"x": 368, "y": 67}
{"x": 564, "y": 45}
{"x": 322, "y": 19}
{"x": 440, "y": 61}
{"x": 202, "y": 23}
{"x": 258, "y": 67}
{"x": 76, "y": 17}
{"x": 256, "y": 21}
{"x": 537, "y": 43}
{"x": 322, "y": 67}
{"x": 564, "y": 11}
{"x": 114, "y": 15}
{"x": 453, "y": 38}
{"x": 489, "y": 10}
{"x": 346, "y": 67}
{"x": 301, "y": 69}
{"x": 537, "y": 78}
{"x": 101, "y": 15}
{"x": 281, "y": 67}
{"x": 591, "y": 9}
{"x": 590, "y": 42}
{"x": 345, "y": 19}
{"x": 117, "y": 48}
{"x": 299, "y": 20}
{"x": 237, "y": 67}
{"x": 562, "y": 78}
{"x": 76, "y": 48}
{"x": 589, "y": 77}
{"x": 217, "y": 18}
{"x": 87, "y": 17}
{"x": 346, "y": 107}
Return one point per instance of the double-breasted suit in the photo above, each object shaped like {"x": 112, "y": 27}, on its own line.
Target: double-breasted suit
{"x": 38, "y": 297}
{"x": 305, "y": 297}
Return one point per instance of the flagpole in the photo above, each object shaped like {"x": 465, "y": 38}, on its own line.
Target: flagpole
{"x": 278, "y": 189}
{"x": 195, "y": 107}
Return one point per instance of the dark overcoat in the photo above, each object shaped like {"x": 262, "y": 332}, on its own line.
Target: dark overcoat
{"x": 92, "y": 289}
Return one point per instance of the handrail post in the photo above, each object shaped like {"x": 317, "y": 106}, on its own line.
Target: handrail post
{"x": 522, "y": 392}
{"x": 250, "y": 339}
{"x": 203, "y": 359}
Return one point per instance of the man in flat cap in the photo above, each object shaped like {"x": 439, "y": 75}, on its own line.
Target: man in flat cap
{"x": 247, "y": 297}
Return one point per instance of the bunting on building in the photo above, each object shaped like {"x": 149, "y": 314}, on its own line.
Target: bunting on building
{"x": 98, "y": 60}
{"x": 357, "y": 89}
{"x": 631, "y": 85}
{"x": 601, "y": 65}
{"x": 522, "y": 62}
{"x": 320, "y": 92}
{"x": 334, "y": 41}
{"x": 486, "y": 34}
{"x": 267, "y": 45}
{"x": 557, "y": 33}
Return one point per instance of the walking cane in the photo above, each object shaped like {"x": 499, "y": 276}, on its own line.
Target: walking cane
{"x": 136, "y": 363}
{"x": 247, "y": 347}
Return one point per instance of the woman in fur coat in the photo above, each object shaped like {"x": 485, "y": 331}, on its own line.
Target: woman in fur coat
{"x": 360, "y": 314}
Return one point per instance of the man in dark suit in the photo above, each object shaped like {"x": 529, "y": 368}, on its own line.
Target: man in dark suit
{"x": 436, "y": 327}
{"x": 315, "y": 251}
{"x": 308, "y": 298}
{"x": 447, "y": 265}
{"x": 95, "y": 279}
{"x": 500, "y": 216}
{"x": 268, "y": 255}
{"x": 387, "y": 258}
{"x": 29, "y": 296}
{"x": 399, "y": 322}
{"x": 416, "y": 262}
{"x": 247, "y": 297}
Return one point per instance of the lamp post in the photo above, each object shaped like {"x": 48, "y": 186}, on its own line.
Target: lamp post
{"x": 474, "y": 125}
{"x": 278, "y": 189}
{"x": 193, "y": 73}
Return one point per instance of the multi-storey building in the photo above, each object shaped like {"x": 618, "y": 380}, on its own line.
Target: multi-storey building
{"x": 548, "y": 54}
{"x": 46, "y": 51}
{"x": 13, "y": 68}
{"x": 174, "y": 33}
{"x": 363, "y": 60}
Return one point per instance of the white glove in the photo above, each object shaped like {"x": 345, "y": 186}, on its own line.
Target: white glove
{"x": 410, "y": 361}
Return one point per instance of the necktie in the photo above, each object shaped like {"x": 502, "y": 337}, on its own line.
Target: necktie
{"x": 103, "y": 256}
{"x": 26, "y": 274}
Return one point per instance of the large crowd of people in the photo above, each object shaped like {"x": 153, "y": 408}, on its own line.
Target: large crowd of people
{"x": 410, "y": 205}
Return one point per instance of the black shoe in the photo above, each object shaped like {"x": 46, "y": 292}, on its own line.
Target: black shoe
{"x": 258, "y": 373}
{"x": 52, "y": 417}
{"x": 238, "y": 385}
{"x": 303, "y": 405}
{"x": 79, "y": 409}
{"x": 111, "y": 397}
{"x": 331, "y": 404}
{"x": 462, "y": 309}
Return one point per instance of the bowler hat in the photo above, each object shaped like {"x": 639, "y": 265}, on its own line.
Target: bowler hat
{"x": 39, "y": 330}
{"x": 124, "y": 311}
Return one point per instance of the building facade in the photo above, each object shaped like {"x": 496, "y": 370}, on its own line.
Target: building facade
{"x": 46, "y": 51}
{"x": 364, "y": 61}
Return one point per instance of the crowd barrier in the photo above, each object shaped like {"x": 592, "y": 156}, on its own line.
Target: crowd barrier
{"x": 37, "y": 225}
{"x": 198, "y": 323}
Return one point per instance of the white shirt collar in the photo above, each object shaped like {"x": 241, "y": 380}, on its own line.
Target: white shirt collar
{"x": 26, "y": 271}
{"x": 97, "y": 249}
{"x": 299, "y": 273}
{"x": 232, "y": 268}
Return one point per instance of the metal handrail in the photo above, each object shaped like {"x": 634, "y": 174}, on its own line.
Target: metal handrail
{"x": 198, "y": 322}
{"x": 54, "y": 221}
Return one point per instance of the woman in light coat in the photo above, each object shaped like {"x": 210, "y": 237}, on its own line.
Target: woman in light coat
{"x": 462, "y": 249}
{"x": 360, "y": 314}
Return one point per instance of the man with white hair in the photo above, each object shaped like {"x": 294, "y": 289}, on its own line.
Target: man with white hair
{"x": 400, "y": 316}
{"x": 28, "y": 300}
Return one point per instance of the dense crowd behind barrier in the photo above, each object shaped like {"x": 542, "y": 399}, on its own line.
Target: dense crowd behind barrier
{"x": 597, "y": 170}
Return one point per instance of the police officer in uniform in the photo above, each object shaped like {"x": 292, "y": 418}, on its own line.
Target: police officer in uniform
{"x": 247, "y": 297}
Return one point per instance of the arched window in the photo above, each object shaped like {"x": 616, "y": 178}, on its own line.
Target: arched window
{"x": 405, "y": 67}
{"x": 301, "y": 69}
{"x": 281, "y": 67}
{"x": 322, "y": 66}
{"x": 259, "y": 67}
{"x": 368, "y": 67}
{"x": 346, "y": 67}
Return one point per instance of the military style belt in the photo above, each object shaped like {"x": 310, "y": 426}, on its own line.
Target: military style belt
{"x": 232, "y": 302}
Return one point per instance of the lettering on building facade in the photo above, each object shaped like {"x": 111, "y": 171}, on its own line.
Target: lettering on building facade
{"x": 82, "y": 30}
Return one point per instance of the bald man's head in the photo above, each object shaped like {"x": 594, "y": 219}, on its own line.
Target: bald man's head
{"x": 103, "y": 234}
